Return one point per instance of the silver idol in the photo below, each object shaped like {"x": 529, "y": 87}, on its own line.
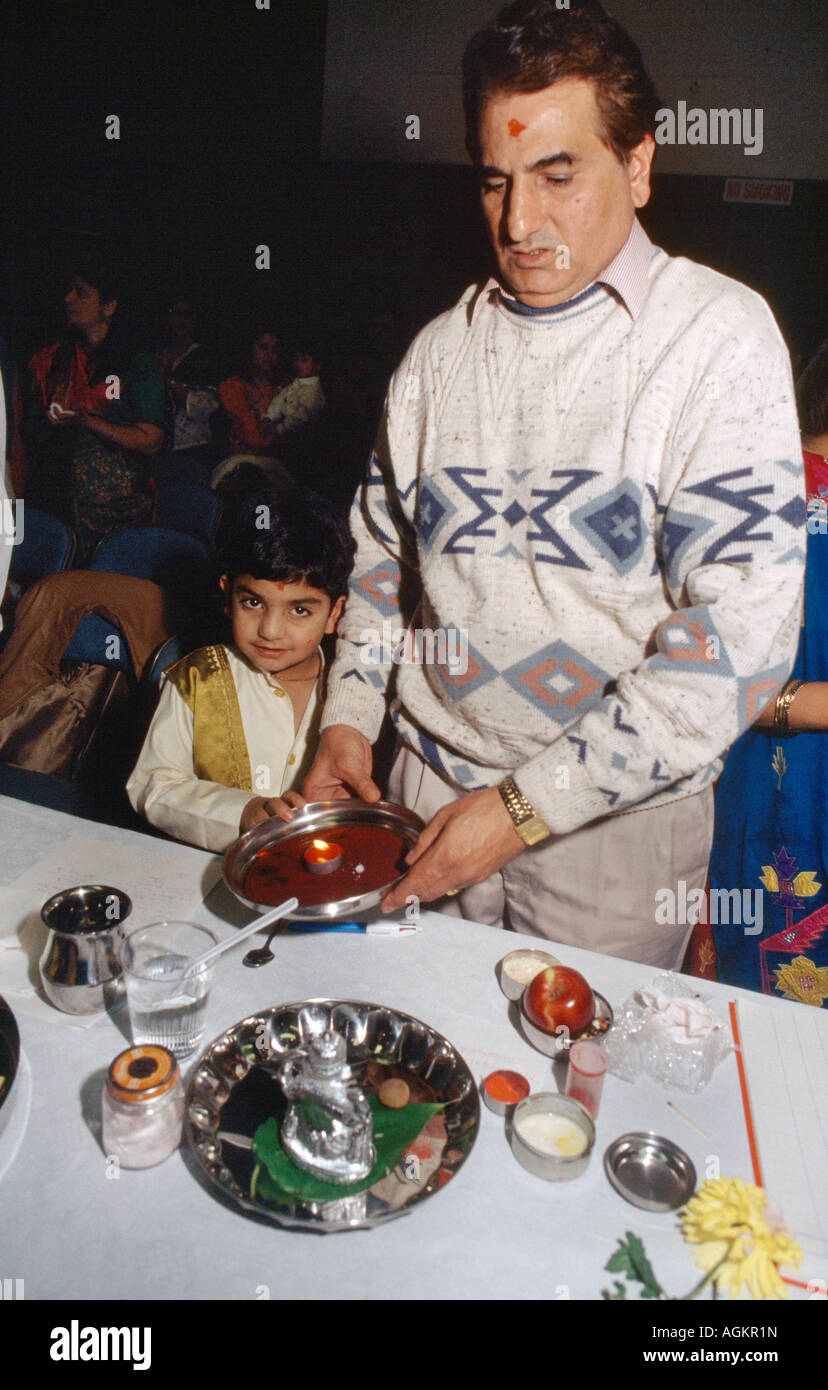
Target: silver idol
{"x": 328, "y": 1127}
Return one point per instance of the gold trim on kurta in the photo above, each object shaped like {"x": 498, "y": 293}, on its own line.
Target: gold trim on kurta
{"x": 205, "y": 682}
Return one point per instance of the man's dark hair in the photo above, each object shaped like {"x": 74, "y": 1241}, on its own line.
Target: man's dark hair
{"x": 812, "y": 395}
{"x": 531, "y": 44}
{"x": 288, "y": 536}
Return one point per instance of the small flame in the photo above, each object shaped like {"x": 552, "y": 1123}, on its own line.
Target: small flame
{"x": 320, "y": 844}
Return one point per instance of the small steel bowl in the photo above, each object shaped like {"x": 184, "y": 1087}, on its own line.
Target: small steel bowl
{"x": 512, "y": 988}
{"x": 504, "y": 1107}
{"x": 552, "y": 1167}
{"x": 553, "y": 1044}
{"x": 650, "y": 1171}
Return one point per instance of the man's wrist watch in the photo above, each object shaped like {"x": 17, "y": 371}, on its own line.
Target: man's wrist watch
{"x": 528, "y": 824}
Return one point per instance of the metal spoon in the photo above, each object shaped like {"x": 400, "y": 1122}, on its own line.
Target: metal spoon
{"x": 276, "y": 915}
{"x": 262, "y": 955}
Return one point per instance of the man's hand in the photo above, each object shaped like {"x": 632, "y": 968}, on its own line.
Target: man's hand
{"x": 342, "y": 767}
{"x": 261, "y": 808}
{"x": 462, "y": 845}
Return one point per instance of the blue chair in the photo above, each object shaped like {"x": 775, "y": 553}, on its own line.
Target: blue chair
{"x": 188, "y": 507}
{"x": 179, "y": 564}
{"x": 47, "y": 546}
{"x": 96, "y": 640}
{"x": 172, "y": 559}
{"x": 161, "y": 660}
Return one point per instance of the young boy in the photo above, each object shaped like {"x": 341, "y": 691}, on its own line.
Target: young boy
{"x": 302, "y": 399}
{"x": 237, "y": 725}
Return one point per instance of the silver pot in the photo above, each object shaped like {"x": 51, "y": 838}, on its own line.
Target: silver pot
{"x": 80, "y": 968}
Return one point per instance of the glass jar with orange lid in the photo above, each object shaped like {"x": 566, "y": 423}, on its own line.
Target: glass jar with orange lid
{"x": 142, "y": 1107}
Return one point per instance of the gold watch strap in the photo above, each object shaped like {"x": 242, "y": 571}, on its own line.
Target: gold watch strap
{"x": 528, "y": 824}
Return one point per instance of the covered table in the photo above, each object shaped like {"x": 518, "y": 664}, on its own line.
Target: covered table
{"x": 493, "y": 1231}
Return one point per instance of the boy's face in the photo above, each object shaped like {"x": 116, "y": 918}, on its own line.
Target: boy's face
{"x": 304, "y": 365}
{"x": 278, "y": 626}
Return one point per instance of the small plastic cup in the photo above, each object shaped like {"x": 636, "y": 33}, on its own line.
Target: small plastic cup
{"x": 585, "y": 1076}
{"x": 164, "y": 1009}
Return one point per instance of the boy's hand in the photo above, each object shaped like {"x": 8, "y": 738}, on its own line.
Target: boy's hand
{"x": 342, "y": 767}
{"x": 263, "y": 807}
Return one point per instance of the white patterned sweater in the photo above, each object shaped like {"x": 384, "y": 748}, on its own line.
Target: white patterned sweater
{"x": 609, "y": 512}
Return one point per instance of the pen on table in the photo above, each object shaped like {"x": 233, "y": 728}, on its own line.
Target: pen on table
{"x": 366, "y": 928}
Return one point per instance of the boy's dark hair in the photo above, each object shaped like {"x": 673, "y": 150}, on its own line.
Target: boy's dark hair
{"x": 309, "y": 345}
{"x": 532, "y": 44}
{"x": 812, "y": 395}
{"x": 289, "y": 536}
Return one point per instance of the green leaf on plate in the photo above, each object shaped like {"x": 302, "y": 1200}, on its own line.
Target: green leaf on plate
{"x": 280, "y": 1179}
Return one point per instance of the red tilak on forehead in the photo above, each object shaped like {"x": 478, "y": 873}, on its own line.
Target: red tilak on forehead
{"x": 515, "y": 127}
{"x": 279, "y": 585}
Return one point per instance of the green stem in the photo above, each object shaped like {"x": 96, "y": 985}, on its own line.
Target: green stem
{"x": 696, "y": 1290}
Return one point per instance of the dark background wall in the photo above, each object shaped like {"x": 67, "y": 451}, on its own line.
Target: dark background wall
{"x": 220, "y": 109}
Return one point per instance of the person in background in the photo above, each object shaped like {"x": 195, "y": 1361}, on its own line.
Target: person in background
{"x": 771, "y": 834}
{"x": 245, "y": 399}
{"x": 5, "y": 549}
{"x": 191, "y": 374}
{"x": 302, "y": 400}
{"x": 97, "y": 417}
{"x": 14, "y": 453}
{"x": 237, "y": 723}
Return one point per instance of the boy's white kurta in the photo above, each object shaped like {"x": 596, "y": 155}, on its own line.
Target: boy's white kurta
{"x": 164, "y": 788}
{"x": 604, "y": 515}
{"x": 297, "y": 404}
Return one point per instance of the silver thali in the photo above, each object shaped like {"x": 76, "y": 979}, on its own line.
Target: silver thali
{"x": 318, "y": 818}
{"x": 9, "y": 1061}
{"x": 235, "y": 1089}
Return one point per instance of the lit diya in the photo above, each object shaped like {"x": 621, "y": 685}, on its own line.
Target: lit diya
{"x": 336, "y": 857}
{"x": 322, "y": 858}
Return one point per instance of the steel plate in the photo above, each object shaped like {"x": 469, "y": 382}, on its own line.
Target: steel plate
{"x": 235, "y": 1088}
{"x": 9, "y": 1060}
{"x": 321, "y": 818}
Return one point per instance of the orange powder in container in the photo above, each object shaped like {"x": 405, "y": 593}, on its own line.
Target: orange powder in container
{"x": 503, "y": 1089}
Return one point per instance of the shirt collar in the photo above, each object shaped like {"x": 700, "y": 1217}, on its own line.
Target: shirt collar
{"x": 626, "y": 275}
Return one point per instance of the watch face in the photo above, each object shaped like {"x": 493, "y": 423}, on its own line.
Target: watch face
{"x": 533, "y": 830}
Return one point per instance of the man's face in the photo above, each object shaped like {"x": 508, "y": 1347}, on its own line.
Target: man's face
{"x": 558, "y": 203}
{"x": 278, "y": 627}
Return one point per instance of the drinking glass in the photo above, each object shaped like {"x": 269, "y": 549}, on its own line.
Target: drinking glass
{"x": 164, "y": 1008}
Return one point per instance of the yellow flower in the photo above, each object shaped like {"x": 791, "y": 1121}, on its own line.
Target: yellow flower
{"x": 735, "y": 1227}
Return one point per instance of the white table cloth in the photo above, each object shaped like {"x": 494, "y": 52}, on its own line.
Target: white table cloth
{"x": 494, "y": 1231}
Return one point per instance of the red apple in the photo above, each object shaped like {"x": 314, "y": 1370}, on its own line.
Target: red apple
{"x": 559, "y": 996}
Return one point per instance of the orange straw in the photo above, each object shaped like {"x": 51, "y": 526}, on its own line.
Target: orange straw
{"x": 751, "y": 1132}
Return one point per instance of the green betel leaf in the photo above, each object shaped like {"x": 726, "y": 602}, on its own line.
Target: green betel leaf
{"x": 280, "y": 1179}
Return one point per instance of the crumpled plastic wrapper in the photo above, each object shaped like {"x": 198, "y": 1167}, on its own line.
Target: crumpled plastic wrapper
{"x": 666, "y": 1031}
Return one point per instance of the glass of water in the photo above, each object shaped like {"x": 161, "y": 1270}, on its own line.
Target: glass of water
{"x": 164, "y": 1007}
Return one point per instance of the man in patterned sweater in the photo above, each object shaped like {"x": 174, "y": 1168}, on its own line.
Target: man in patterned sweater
{"x": 591, "y": 470}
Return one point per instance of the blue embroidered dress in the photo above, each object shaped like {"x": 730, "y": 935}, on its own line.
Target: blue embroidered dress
{"x": 772, "y": 818}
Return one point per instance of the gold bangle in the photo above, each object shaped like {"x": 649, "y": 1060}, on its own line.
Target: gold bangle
{"x": 784, "y": 700}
